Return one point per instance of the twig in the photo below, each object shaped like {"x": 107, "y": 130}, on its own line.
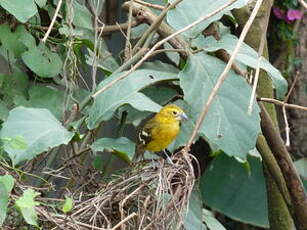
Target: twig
{"x": 303, "y": 3}
{"x": 260, "y": 52}
{"x": 287, "y": 128}
{"x": 154, "y": 6}
{"x": 53, "y": 20}
{"x": 144, "y": 14}
{"x": 223, "y": 76}
{"x": 158, "y": 44}
{"x": 128, "y": 46}
{"x": 281, "y": 103}
{"x": 118, "y": 26}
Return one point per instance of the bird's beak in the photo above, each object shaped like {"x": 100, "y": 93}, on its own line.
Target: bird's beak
{"x": 183, "y": 116}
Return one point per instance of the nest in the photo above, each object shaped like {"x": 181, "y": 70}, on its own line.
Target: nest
{"x": 153, "y": 195}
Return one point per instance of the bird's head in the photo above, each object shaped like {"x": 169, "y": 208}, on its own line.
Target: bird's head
{"x": 173, "y": 112}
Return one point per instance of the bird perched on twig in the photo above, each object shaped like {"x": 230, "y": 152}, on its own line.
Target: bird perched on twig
{"x": 159, "y": 131}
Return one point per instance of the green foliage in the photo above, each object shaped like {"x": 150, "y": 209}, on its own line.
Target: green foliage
{"x": 41, "y": 96}
{"x": 193, "y": 219}
{"x": 227, "y": 125}
{"x": 228, "y": 188}
{"x": 6, "y": 186}
{"x": 42, "y": 84}
{"x": 68, "y": 205}
{"x": 127, "y": 92}
{"x": 189, "y": 11}
{"x": 38, "y": 127}
{"x": 39, "y": 57}
{"x": 26, "y": 204}
{"x": 121, "y": 147}
{"x": 247, "y": 56}
{"x": 22, "y": 10}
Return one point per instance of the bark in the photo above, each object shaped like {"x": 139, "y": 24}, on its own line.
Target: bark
{"x": 298, "y": 118}
{"x": 277, "y": 206}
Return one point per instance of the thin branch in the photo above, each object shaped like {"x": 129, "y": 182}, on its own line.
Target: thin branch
{"x": 260, "y": 52}
{"x": 53, "y": 20}
{"x": 281, "y": 103}
{"x": 144, "y": 14}
{"x": 119, "y": 26}
{"x": 158, "y": 44}
{"x": 154, "y": 25}
{"x": 124, "y": 220}
{"x": 128, "y": 46}
{"x": 303, "y": 3}
{"x": 154, "y": 6}
{"x": 223, "y": 76}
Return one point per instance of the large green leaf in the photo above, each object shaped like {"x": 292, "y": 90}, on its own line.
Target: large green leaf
{"x": 26, "y": 205}
{"x": 126, "y": 92}
{"x": 122, "y": 147}
{"x": 236, "y": 192}
{"x": 193, "y": 220}
{"x": 6, "y": 185}
{"x": 189, "y": 11}
{"x": 40, "y": 129}
{"x": 22, "y": 10}
{"x": 227, "y": 124}
{"x": 247, "y": 56}
{"x": 43, "y": 97}
{"x": 42, "y": 61}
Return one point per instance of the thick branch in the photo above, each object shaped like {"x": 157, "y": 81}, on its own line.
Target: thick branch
{"x": 143, "y": 13}
{"x": 284, "y": 160}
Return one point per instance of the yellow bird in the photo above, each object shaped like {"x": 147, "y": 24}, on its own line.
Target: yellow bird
{"x": 160, "y": 130}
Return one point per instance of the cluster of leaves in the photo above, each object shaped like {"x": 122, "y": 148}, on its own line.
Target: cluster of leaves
{"x": 32, "y": 99}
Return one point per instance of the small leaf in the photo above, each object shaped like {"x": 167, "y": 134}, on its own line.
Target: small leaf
{"x": 4, "y": 199}
{"x": 42, "y": 61}
{"x": 10, "y": 39}
{"x": 68, "y": 205}
{"x": 17, "y": 142}
{"x": 6, "y": 186}
{"x": 121, "y": 147}
{"x": 38, "y": 127}
{"x": 82, "y": 16}
{"x": 22, "y": 10}
{"x": 8, "y": 182}
{"x": 26, "y": 205}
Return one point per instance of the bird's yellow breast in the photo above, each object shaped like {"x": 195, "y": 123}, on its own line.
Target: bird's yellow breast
{"x": 162, "y": 136}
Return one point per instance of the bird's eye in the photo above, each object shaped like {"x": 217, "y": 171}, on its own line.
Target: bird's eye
{"x": 175, "y": 112}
